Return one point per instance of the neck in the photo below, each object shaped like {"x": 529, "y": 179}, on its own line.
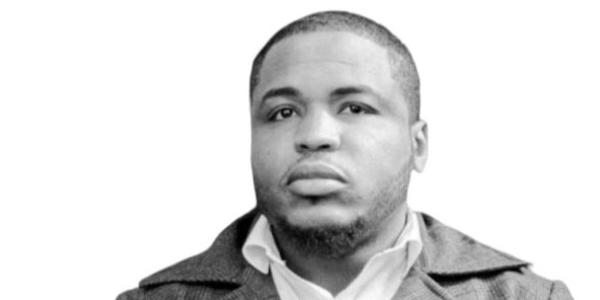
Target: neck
{"x": 337, "y": 272}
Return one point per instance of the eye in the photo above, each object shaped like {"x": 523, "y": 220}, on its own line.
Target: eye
{"x": 356, "y": 109}
{"x": 283, "y": 113}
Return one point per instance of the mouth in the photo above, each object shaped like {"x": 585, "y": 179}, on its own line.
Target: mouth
{"x": 315, "y": 179}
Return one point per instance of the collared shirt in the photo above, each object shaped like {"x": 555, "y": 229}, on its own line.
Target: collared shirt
{"x": 380, "y": 278}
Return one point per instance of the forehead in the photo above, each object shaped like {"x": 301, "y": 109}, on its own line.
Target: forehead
{"x": 325, "y": 52}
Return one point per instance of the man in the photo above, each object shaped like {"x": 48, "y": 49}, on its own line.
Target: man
{"x": 336, "y": 134}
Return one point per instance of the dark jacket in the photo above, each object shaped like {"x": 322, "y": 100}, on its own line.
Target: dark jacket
{"x": 451, "y": 266}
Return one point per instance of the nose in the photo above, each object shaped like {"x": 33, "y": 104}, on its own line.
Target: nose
{"x": 317, "y": 131}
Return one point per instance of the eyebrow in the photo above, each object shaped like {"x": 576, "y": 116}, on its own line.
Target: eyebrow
{"x": 349, "y": 90}
{"x": 287, "y": 92}
{"x": 352, "y": 90}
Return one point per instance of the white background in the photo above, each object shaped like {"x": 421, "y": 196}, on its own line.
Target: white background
{"x": 124, "y": 131}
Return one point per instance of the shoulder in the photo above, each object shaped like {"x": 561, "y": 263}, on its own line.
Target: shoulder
{"x": 464, "y": 266}
{"x": 207, "y": 275}
{"x": 515, "y": 283}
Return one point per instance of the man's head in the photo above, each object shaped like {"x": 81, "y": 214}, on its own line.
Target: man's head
{"x": 335, "y": 131}
{"x": 401, "y": 61}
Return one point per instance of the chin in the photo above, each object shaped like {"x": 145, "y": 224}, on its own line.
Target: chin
{"x": 322, "y": 233}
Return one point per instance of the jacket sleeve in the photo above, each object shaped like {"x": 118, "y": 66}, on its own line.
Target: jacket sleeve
{"x": 559, "y": 291}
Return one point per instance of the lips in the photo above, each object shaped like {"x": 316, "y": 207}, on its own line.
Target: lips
{"x": 315, "y": 171}
{"x": 315, "y": 179}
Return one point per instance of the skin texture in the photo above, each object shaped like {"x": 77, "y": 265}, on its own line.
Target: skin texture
{"x": 327, "y": 103}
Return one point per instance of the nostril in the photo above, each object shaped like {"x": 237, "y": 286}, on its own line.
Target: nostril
{"x": 303, "y": 147}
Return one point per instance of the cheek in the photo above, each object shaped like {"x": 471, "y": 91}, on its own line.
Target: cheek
{"x": 397, "y": 149}
{"x": 270, "y": 157}
{"x": 397, "y": 153}
{"x": 382, "y": 150}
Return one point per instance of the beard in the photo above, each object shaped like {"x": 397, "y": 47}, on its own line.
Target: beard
{"x": 333, "y": 240}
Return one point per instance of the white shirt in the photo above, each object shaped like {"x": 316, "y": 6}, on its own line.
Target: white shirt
{"x": 379, "y": 279}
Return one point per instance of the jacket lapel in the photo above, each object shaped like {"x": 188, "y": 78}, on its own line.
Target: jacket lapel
{"x": 419, "y": 286}
{"x": 448, "y": 252}
{"x": 255, "y": 285}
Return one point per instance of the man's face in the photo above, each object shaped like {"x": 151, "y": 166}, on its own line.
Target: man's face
{"x": 331, "y": 139}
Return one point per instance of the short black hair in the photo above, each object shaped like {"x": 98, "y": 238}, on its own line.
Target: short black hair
{"x": 403, "y": 65}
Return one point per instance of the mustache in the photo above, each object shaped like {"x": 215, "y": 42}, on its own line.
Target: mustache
{"x": 312, "y": 170}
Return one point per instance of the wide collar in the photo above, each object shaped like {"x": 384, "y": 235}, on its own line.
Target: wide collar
{"x": 446, "y": 252}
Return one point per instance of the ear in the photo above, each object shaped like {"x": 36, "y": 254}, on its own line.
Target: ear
{"x": 419, "y": 145}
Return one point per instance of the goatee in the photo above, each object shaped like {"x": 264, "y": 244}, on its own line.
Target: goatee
{"x": 328, "y": 241}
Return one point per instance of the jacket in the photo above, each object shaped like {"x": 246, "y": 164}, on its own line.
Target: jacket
{"x": 451, "y": 266}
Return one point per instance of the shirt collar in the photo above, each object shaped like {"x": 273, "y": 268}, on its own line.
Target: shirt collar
{"x": 260, "y": 246}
